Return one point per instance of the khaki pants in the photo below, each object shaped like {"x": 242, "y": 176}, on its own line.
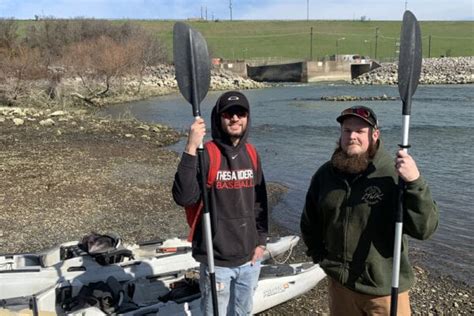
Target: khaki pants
{"x": 344, "y": 302}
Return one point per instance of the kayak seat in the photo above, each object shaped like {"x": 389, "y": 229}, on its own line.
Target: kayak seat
{"x": 109, "y": 296}
{"x": 104, "y": 257}
{"x": 103, "y": 248}
{"x": 276, "y": 270}
{"x": 113, "y": 256}
{"x": 182, "y": 291}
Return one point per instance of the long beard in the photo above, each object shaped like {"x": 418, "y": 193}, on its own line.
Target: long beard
{"x": 354, "y": 164}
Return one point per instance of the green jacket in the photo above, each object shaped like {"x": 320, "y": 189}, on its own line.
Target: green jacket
{"x": 349, "y": 227}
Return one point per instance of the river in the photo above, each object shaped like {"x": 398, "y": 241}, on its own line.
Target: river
{"x": 295, "y": 132}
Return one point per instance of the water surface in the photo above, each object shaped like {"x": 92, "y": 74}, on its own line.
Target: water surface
{"x": 295, "y": 132}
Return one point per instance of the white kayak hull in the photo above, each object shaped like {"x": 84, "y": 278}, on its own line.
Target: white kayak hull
{"x": 28, "y": 274}
{"x": 272, "y": 290}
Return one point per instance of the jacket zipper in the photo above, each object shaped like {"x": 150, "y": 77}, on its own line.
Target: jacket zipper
{"x": 346, "y": 224}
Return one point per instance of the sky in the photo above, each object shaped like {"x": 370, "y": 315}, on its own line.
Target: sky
{"x": 241, "y": 9}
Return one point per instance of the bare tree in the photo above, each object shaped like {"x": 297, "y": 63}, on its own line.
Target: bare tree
{"x": 97, "y": 62}
{"x": 8, "y": 34}
{"x": 147, "y": 51}
{"x": 19, "y": 69}
{"x": 49, "y": 36}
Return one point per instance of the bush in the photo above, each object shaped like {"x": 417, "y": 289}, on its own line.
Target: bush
{"x": 8, "y": 34}
{"x": 97, "y": 51}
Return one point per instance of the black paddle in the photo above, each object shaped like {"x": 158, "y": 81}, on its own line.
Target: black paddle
{"x": 409, "y": 69}
{"x": 193, "y": 73}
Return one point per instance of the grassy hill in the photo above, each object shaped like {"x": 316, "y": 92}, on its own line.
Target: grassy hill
{"x": 292, "y": 39}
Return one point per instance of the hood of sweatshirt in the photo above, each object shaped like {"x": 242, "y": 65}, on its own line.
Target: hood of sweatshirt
{"x": 226, "y": 101}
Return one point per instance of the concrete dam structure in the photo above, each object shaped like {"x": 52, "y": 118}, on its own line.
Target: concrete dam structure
{"x": 306, "y": 71}
{"x": 301, "y": 71}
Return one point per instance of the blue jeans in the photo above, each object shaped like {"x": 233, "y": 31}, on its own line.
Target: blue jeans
{"x": 235, "y": 289}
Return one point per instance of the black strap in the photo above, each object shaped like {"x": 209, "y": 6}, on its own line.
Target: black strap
{"x": 404, "y": 146}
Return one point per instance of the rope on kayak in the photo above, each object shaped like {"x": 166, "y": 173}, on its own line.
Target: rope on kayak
{"x": 290, "y": 251}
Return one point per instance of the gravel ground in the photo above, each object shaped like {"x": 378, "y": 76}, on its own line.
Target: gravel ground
{"x": 79, "y": 174}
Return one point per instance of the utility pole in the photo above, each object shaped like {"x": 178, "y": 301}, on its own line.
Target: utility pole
{"x": 397, "y": 49}
{"x": 311, "y": 45}
{"x": 307, "y": 11}
{"x": 429, "y": 46}
{"x": 230, "y": 8}
{"x": 376, "y": 41}
{"x": 406, "y": 5}
{"x": 337, "y": 46}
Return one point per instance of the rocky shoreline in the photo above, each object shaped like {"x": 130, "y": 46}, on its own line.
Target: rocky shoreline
{"x": 80, "y": 173}
{"x": 448, "y": 70}
{"x": 221, "y": 79}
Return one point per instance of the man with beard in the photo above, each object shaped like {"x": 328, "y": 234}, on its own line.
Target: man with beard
{"x": 237, "y": 202}
{"x": 348, "y": 221}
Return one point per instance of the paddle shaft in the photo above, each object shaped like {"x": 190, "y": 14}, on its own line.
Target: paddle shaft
{"x": 397, "y": 248}
{"x": 409, "y": 70}
{"x": 205, "y": 201}
{"x": 205, "y": 216}
{"x": 207, "y": 230}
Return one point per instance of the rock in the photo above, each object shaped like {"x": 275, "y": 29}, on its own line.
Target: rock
{"x": 47, "y": 122}
{"x": 18, "y": 121}
{"x": 57, "y": 113}
{"x": 144, "y": 127}
{"x": 356, "y": 98}
{"x": 18, "y": 112}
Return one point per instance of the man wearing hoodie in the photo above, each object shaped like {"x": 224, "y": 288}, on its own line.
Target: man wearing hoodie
{"x": 348, "y": 218}
{"x": 237, "y": 203}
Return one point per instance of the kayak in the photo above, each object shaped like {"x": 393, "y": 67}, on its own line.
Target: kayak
{"x": 157, "y": 277}
{"x": 29, "y": 273}
{"x": 161, "y": 294}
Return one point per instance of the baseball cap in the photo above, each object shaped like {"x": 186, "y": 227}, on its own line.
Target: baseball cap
{"x": 361, "y": 112}
{"x": 233, "y": 98}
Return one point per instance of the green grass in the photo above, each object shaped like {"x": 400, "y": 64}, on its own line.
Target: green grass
{"x": 291, "y": 39}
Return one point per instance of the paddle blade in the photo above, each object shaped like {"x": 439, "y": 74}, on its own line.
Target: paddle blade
{"x": 192, "y": 64}
{"x": 409, "y": 63}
